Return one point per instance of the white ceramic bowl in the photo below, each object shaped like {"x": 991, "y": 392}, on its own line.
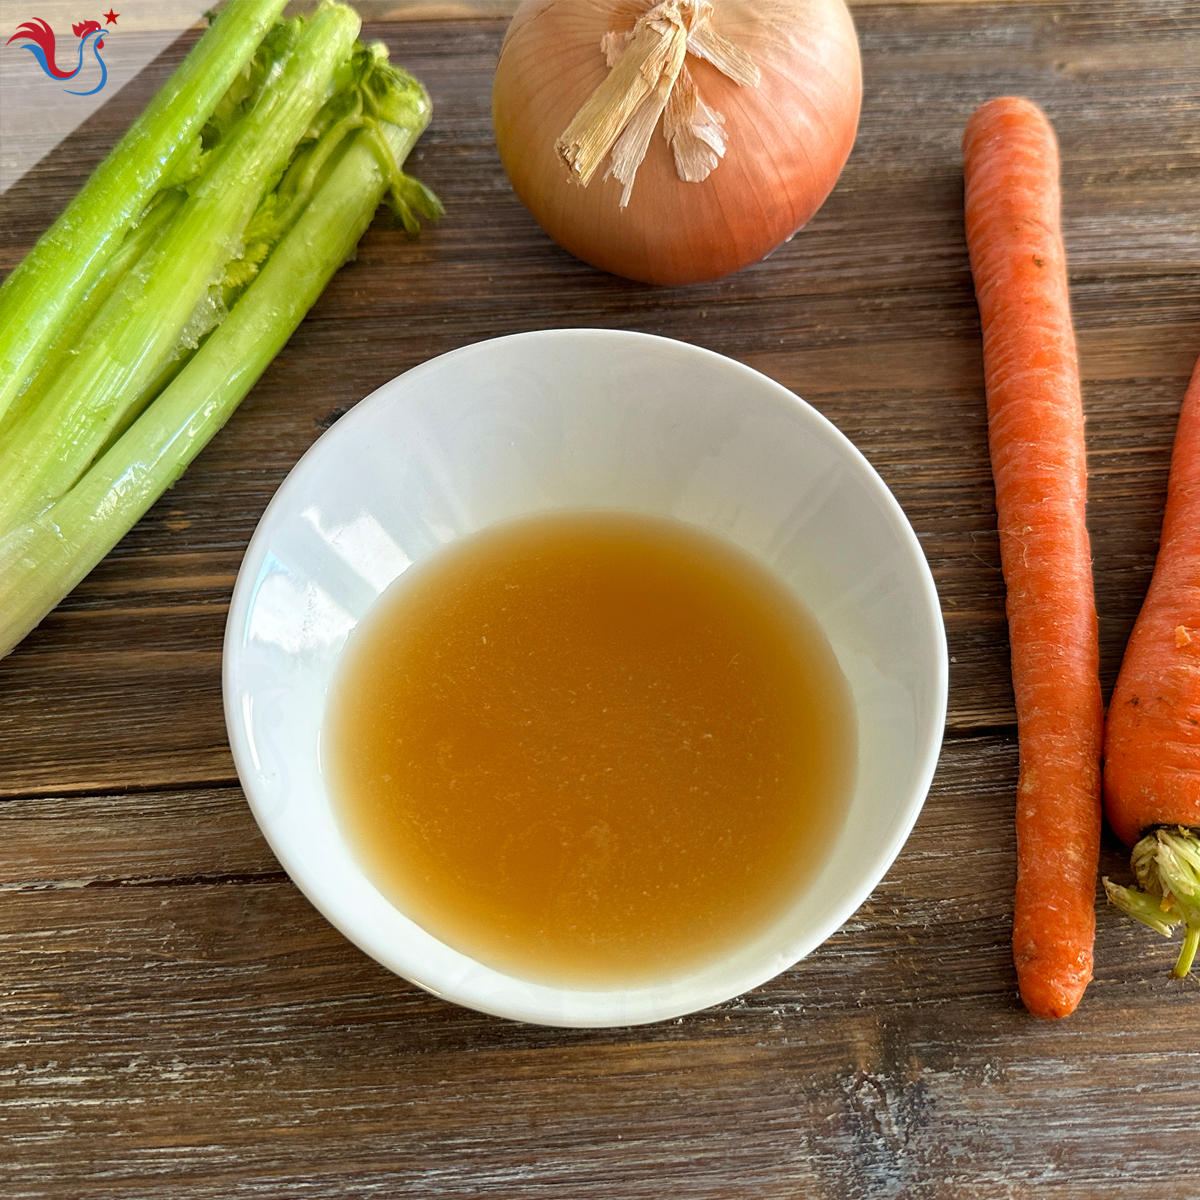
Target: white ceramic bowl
{"x": 580, "y": 418}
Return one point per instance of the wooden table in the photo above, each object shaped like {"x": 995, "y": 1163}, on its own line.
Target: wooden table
{"x": 177, "y": 1021}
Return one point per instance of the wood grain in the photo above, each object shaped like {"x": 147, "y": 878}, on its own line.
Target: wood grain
{"x": 179, "y": 1022}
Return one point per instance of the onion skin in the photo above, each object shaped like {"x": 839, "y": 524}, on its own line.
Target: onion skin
{"x": 788, "y": 138}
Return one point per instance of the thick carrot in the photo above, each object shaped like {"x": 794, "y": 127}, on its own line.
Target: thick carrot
{"x": 1152, "y": 741}
{"x": 1035, "y": 436}
{"x": 1152, "y": 744}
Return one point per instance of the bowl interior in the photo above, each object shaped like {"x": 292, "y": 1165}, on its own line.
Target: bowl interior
{"x": 580, "y": 419}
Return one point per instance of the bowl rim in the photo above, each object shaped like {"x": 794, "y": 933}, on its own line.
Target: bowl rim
{"x": 929, "y": 726}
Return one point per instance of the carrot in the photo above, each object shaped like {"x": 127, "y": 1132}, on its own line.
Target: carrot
{"x": 1152, "y": 742}
{"x": 1035, "y": 437}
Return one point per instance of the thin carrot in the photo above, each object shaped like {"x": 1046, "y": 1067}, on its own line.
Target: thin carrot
{"x": 1152, "y": 742}
{"x": 1035, "y": 436}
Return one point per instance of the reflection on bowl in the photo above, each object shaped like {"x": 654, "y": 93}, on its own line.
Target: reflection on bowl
{"x": 572, "y": 419}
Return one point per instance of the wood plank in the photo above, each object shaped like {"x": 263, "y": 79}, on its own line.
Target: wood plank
{"x": 207, "y": 835}
{"x": 180, "y": 1022}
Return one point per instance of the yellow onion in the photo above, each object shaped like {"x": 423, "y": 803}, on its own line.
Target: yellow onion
{"x": 762, "y": 125}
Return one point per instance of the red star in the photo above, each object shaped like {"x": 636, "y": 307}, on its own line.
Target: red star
{"x": 110, "y": 17}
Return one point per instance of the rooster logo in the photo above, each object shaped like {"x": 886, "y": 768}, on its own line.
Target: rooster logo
{"x": 39, "y": 41}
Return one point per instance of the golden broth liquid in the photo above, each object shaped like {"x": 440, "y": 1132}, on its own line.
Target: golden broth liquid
{"x": 590, "y": 749}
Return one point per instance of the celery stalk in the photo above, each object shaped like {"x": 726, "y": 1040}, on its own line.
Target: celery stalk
{"x": 40, "y": 295}
{"x": 75, "y": 324}
{"x": 139, "y": 329}
{"x": 42, "y": 560}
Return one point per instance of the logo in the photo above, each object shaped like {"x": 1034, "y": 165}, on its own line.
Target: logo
{"x": 38, "y": 38}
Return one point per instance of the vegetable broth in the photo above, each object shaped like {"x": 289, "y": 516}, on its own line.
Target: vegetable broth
{"x": 590, "y": 749}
